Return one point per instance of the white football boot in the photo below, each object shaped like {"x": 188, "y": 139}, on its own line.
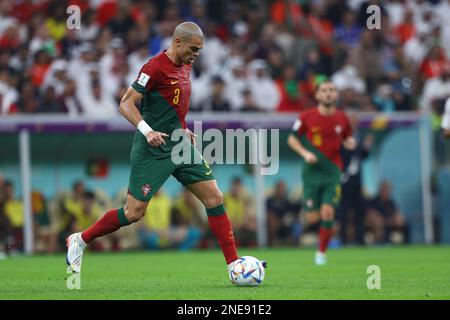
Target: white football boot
{"x": 75, "y": 247}
{"x": 320, "y": 258}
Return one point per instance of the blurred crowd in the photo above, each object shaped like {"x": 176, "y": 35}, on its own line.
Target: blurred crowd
{"x": 180, "y": 221}
{"x": 258, "y": 55}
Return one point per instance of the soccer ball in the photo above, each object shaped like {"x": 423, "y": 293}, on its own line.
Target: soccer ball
{"x": 247, "y": 272}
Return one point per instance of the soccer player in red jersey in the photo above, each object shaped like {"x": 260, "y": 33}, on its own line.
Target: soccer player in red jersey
{"x": 317, "y": 137}
{"x": 163, "y": 88}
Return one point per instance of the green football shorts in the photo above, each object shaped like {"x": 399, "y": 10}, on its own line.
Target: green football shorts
{"x": 315, "y": 195}
{"x": 148, "y": 173}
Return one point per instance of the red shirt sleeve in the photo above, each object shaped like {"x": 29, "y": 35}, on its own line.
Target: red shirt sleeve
{"x": 299, "y": 127}
{"x": 148, "y": 76}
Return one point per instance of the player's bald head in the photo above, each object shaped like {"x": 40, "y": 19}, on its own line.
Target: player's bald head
{"x": 186, "y": 30}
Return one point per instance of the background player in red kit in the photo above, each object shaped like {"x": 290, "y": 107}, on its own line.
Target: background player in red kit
{"x": 317, "y": 137}
{"x": 163, "y": 88}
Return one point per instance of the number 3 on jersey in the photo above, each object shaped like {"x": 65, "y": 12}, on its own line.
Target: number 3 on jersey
{"x": 176, "y": 97}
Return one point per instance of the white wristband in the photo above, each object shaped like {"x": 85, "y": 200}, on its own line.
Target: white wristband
{"x": 144, "y": 128}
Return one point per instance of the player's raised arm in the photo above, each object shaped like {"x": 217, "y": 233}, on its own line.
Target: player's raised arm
{"x": 129, "y": 110}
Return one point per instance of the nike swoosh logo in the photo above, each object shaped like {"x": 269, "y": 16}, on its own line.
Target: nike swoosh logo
{"x": 173, "y": 82}
{"x": 209, "y": 172}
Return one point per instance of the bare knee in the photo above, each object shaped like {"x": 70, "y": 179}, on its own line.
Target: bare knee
{"x": 327, "y": 212}
{"x": 214, "y": 200}
{"x": 135, "y": 212}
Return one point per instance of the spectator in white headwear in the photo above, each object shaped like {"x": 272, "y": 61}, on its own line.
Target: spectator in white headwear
{"x": 113, "y": 67}
{"x": 348, "y": 78}
{"x": 262, "y": 87}
{"x": 235, "y": 82}
{"x": 56, "y": 77}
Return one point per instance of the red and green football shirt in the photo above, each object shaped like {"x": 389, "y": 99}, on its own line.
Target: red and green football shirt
{"x": 166, "y": 91}
{"x": 323, "y": 135}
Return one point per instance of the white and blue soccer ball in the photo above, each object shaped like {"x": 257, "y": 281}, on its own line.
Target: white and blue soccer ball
{"x": 247, "y": 272}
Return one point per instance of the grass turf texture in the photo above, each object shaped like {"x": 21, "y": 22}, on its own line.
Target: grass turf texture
{"x": 406, "y": 273}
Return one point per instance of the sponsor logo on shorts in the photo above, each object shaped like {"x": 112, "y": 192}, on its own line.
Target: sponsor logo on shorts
{"x": 146, "y": 189}
{"x": 309, "y": 203}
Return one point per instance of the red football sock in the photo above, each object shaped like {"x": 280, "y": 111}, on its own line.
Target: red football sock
{"x": 221, "y": 227}
{"x": 110, "y": 222}
{"x": 325, "y": 234}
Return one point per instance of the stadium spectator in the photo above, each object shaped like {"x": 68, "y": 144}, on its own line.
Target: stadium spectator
{"x": 94, "y": 99}
{"x": 348, "y": 32}
{"x": 436, "y": 90}
{"x": 187, "y": 210}
{"x": 89, "y": 28}
{"x": 70, "y": 205}
{"x": 276, "y": 61}
{"x": 263, "y": 89}
{"x": 383, "y": 219}
{"x": 159, "y": 230}
{"x": 40, "y": 67}
{"x": 44, "y": 231}
{"x": 236, "y": 82}
{"x": 348, "y": 78}
{"x": 85, "y": 211}
{"x": 406, "y": 29}
{"x": 383, "y": 98}
{"x": 416, "y": 48}
{"x": 56, "y": 77}
{"x": 15, "y": 214}
{"x": 69, "y": 101}
{"x": 122, "y": 21}
{"x": 216, "y": 101}
{"x": 29, "y": 99}
{"x": 367, "y": 58}
{"x": 154, "y": 229}
{"x": 312, "y": 66}
{"x": 443, "y": 12}
{"x": 215, "y": 52}
{"x": 56, "y": 22}
{"x": 113, "y": 67}
{"x": 50, "y": 102}
{"x": 249, "y": 103}
{"x": 433, "y": 63}
{"x": 5, "y": 225}
{"x": 42, "y": 41}
{"x": 292, "y": 98}
{"x": 282, "y": 217}
{"x": 8, "y": 94}
{"x": 10, "y": 39}
{"x": 241, "y": 212}
{"x": 136, "y": 59}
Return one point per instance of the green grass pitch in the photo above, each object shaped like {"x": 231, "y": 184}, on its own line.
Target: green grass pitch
{"x": 417, "y": 272}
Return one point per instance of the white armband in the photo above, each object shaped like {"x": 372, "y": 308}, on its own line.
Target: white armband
{"x": 144, "y": 128}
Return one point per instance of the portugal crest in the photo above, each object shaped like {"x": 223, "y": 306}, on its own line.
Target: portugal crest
{"x": 146, "y": 189}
